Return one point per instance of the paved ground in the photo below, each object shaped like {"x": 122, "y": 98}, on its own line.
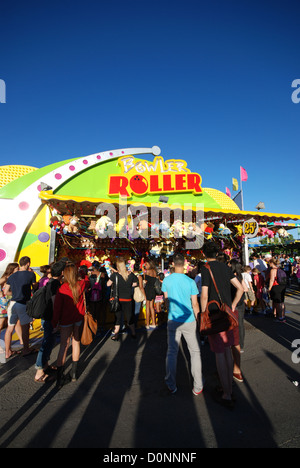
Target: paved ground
{"x": 118, "y": 400}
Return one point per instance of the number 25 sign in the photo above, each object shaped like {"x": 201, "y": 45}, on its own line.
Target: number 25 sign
{"x": 250, "y": 228}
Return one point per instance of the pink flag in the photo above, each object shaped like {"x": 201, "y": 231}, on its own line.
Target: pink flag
{"x": 244, "y": 175}
{"x": 228, "y": 192}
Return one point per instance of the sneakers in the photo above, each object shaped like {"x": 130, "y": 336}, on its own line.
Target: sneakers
{"x": 167, "y": 392}
{"x": 172, "y": 392}
{"x": 238, "y": 377}
{"x": 197, "y": 393}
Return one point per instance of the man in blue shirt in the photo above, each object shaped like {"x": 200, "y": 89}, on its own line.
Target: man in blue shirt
{"x": 181, "y": 293}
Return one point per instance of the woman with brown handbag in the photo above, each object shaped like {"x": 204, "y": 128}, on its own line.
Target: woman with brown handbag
{"x": 220, "y": 343}
{"x": 68, "y": 315}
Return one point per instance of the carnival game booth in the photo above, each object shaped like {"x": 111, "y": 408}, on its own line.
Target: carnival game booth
{"x": 129, "y": 202}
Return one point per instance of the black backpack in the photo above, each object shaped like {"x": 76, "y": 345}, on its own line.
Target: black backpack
{"x": 157, "y": 287}
{"x": 40, "y": 302}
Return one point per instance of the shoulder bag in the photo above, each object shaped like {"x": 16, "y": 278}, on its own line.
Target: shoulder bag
{"x": 114, "y": 298}
{"x": 222, "y": 318}
{"x": 89, "y": 327}
{"x": 138, "y": 295}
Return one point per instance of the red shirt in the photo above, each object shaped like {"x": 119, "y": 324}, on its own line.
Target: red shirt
{"x": 65, "y": 312}
{"x": 260, "y": 282}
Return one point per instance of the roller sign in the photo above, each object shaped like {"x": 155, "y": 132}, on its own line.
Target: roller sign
{"x": 139, "y": 177}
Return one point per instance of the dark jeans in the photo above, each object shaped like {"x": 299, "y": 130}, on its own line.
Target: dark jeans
{"x": 125, "y": 311}
{"x": 47, "y": 346}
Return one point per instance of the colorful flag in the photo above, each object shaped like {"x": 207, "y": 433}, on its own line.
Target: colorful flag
{"x": 228, "y": 192}
{"x": 244, "y": 175}
{"x": 235, "y": 185}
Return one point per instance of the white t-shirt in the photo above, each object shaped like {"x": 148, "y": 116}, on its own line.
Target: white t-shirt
{"x": 247, "y": 278}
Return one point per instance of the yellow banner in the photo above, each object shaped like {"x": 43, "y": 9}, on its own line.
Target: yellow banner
{"x": 235, "y": 185}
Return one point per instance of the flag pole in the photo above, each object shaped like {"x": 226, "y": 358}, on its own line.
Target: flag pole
{"x": 246, "y": 245}
{"x": 242, "y": 197}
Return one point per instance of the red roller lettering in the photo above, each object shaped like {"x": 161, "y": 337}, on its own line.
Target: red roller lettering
{"x": 118, "y": 186}
{"x": 180, "y": 182}
{"x": 168, "y": 187}
{"x": 154, "y": 184}
{"x": 194, "y": 182}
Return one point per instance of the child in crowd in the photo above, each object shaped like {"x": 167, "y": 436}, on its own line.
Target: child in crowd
{"x": 249, "y": 294}
{"x": 46, "y": 271}
{"x": 4, "y": 301}
{"x": 259, "y": 283}
{"x": 3, "y": 320}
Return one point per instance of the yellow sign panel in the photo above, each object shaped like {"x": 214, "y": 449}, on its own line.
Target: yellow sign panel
{"x": 250, "y": 228}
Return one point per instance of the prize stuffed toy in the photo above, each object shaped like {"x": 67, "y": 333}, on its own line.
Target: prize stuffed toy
{"x": 73, "y": 224}
{"x": 223, "y": 230}
{"x": 282, "y": 233}
{"x": 103, "y": 224}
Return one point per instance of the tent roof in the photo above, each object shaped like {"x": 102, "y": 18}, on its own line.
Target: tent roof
{"x": 87, "y": 206}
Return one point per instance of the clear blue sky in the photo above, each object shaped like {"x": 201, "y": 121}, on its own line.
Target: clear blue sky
{"x": 206, "y": 81}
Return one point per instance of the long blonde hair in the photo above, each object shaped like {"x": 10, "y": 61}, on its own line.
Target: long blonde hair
{"x": 274, "y": 262}
{"x": 71, "y": 277}
{"x": 121, "y": 267}
{"x": 10, "y": 269}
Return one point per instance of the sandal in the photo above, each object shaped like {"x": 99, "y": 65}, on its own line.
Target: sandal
{"x": 45, "y": 379}
{"x": 14, "y": 353}
{"x": 115, "y": 337}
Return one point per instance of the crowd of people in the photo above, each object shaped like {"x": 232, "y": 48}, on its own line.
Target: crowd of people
{"x": 174, "y": 297}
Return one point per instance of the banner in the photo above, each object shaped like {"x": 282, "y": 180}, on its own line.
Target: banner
{"x": 228, "y": 192}
{"x": 244, "y": 175}
{"x": 235, "y": 185}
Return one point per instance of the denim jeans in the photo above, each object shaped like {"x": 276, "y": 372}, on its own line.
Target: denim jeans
{"x": 189, "y": 331}
{"x": 46, "y": 347}
{"x": 137, "y": 308}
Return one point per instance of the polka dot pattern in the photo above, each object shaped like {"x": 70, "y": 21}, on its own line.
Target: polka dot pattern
{"x": 43, "y": 237}
{"x": 2, "y": 255}
{"x": 23, "y": 205}
{"x": 9, "y": 228}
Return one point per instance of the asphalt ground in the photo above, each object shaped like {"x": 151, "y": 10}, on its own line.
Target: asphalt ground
{"x": 119, "y": 401}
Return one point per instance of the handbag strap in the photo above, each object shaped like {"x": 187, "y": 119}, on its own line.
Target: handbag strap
{"x": 117, "y": 296}
{"x": 84, "y": 301}
{"x": 214, "y": 281}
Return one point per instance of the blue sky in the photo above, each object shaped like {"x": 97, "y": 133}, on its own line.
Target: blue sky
{"x": 206, "y": 81}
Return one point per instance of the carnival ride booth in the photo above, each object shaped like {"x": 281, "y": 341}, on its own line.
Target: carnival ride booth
{"x": 130, "y": 202}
